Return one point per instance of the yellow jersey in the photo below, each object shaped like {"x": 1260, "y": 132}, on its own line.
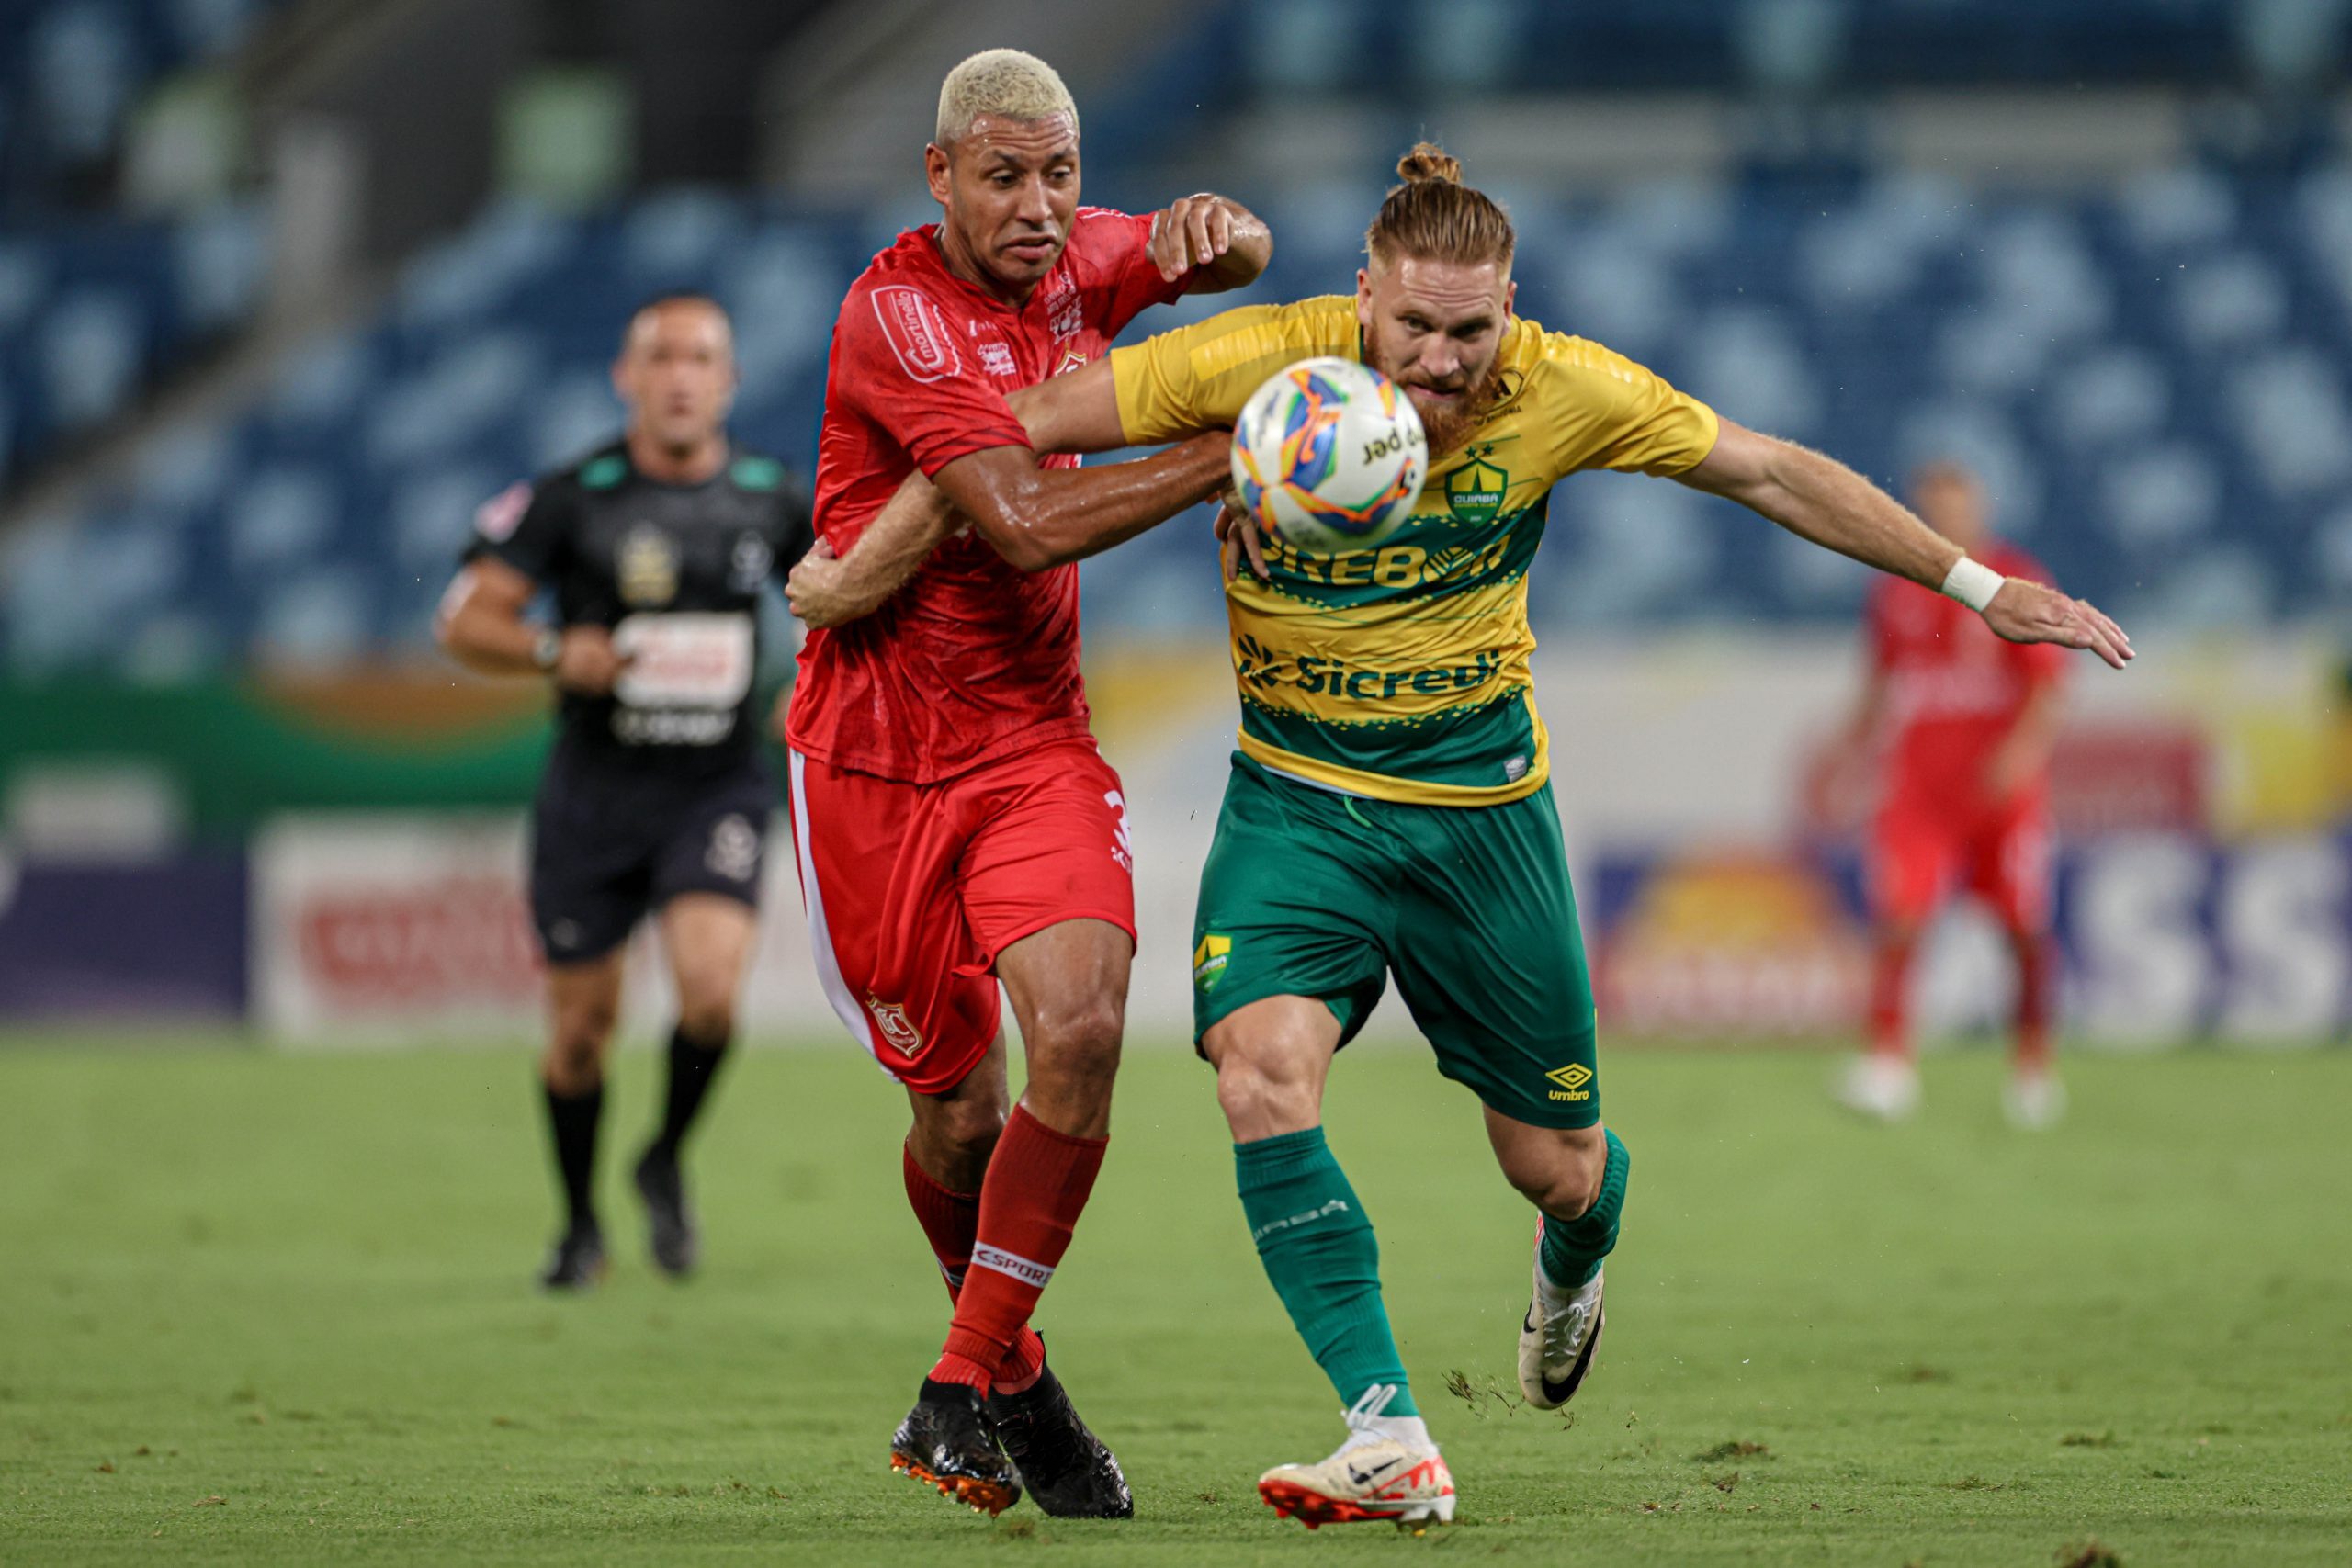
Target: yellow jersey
{"x": 1400, "y": 670}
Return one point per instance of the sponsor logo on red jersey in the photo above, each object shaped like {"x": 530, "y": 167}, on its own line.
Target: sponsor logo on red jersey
{"x": 918, "y": 333}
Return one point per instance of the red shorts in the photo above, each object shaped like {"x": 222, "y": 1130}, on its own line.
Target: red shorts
{"x": 1921, "y": 853}
{"x": 912, "y": 890}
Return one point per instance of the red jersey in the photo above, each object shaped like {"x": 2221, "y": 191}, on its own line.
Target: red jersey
{"x": 973, "y": 659}
{"x": 1954, "y": 688}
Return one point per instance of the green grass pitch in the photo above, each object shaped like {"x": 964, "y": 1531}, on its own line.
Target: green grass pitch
{"x": 260, "y": 1308}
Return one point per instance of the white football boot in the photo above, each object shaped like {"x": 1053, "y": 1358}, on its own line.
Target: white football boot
{"x": 1876, "y": 1085}
{"x": 1559, "y": 1337}
{"x": 1386, "y": 1471}
{"x": 2034, "y": 1101}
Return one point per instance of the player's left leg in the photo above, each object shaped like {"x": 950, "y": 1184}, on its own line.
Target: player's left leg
{"x": 1496, "y": 975}
{"x": 1909, "y": 861}
{"x": 1575, "y": 1179}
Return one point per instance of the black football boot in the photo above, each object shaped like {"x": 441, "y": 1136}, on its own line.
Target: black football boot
{"x": 944, "y": 1442}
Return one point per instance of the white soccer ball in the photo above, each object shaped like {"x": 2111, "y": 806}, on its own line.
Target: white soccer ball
{"x": 1330, "y": 454}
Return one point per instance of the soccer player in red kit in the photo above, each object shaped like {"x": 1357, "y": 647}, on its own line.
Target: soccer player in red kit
{"x": 955, "y": 823}
{"x": 1965, "y": 724}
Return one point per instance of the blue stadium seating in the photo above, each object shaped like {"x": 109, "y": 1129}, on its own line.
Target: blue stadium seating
{"x": 92, "y": 310}
{"x": 70, "y": 72}
{"x": 1400, "y": 46}
{"x": 2152, "y": 383}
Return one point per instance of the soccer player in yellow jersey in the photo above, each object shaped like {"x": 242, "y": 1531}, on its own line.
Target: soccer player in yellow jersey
{"x": 1389, "y": 810}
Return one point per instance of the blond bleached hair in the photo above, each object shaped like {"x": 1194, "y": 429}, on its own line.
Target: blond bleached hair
{"x": 1434, "y": 216}
{"x": 1003, "y": 82}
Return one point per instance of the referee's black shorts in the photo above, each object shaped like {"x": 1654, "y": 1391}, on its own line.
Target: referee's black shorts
{"x": 615, "y": 837}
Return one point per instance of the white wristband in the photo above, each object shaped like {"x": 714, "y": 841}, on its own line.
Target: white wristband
{"x": 1973, "y": 583}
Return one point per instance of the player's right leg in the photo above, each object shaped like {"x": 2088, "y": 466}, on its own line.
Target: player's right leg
{"x": 1317, "y": 1245}
{"x": 1909, "y": 859}
{"x": 1288, "y": 961}
{"x": 909, "y": 981}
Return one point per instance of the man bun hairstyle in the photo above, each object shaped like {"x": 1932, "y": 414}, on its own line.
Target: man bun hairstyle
{"x": 1432, "y": 215}
{"x": 1002, "y": 82}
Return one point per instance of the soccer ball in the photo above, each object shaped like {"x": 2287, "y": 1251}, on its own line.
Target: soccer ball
{"x": 1330, "y": 454}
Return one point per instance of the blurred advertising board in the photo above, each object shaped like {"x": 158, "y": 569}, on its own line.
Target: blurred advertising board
{"x": 372, "y": 928}
{"x": 103, "y": 940}
{"x": 2166, "y": 938}
{"x": 391, "y": 922}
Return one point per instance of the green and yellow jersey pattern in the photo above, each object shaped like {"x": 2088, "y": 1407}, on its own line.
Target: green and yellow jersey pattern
{"x": 1400, "y": 670}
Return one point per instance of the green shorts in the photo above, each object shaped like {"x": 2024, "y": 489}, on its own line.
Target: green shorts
{"x": 1310, "y": 893}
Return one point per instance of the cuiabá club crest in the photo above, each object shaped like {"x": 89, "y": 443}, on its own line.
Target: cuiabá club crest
{"x": 1473, "y": 492}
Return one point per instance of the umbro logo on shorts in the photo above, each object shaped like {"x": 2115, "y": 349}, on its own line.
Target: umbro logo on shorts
{"x": 1012, "y": 1263}
{"x": 1572, "y": 1080}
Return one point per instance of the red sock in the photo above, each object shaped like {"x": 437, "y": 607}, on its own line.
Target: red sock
{"x": 1889, "y": 999}
{"x": 1037, "y": 1183}
{"x": 2035, "y": 979}
{"x": 950, "y": 1222}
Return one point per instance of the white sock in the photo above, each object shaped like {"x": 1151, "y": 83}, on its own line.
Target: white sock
{"x": 1556, "y": 1295}
{"x": 1410, "y": 1430}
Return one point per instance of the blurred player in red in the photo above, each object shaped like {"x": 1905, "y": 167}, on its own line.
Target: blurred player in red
{"x": 956, "y": 824}
{"x": 1964, "y": 724}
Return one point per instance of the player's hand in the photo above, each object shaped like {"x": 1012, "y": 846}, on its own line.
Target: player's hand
{"x": 1192, "y": 230}
{"x": 1238, "y": 539}
{"x": 589, "y": 663}
{"x": 817, "y": 589}
{"x": 2024, "y": 611}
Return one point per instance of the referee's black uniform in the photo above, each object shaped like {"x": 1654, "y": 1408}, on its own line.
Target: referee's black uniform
{"x": 660, "y": 788}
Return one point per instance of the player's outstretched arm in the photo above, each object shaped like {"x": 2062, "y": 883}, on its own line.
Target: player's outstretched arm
{"x": 1820, "y": 498}
{"x": 1228, "y": 244}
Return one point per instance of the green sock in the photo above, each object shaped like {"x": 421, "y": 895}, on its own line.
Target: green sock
{"x": 1572, "y": 1249}
{"x": 1316, "y": 1244}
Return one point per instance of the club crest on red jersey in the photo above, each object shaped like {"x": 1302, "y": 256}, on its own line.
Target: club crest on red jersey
{"x": 918, "y": 333}
{"x": 898, "y": 1029}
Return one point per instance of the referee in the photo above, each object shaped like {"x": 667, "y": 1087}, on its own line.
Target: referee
{"x": 656, "y": 796}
